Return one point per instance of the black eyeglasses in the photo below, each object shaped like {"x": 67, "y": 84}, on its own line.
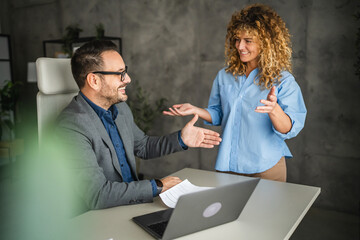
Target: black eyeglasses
{"x": 122, "y": 74}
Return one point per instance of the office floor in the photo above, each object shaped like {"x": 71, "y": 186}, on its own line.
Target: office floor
{"x": 318, "y": 224}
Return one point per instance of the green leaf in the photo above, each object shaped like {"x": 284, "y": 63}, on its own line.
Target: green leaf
{"x": 9, "y": 124}
{"x": 144, "y": 111}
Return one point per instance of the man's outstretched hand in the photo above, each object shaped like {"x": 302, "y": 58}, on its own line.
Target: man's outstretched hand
{"x": 199, "y": 137}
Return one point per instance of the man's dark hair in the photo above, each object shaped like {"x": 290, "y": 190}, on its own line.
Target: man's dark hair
{"x": 88, "y": 59}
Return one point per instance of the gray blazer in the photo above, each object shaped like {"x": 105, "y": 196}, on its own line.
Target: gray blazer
{"x": 94, "y": 163}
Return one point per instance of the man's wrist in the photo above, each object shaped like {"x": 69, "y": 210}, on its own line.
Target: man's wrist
{"x": 156, "y": 186}
{"x": 182, "y": 144}
{"x": 159, "y": 186}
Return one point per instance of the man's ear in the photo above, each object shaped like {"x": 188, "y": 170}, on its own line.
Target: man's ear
{"x": 93, "y": 81}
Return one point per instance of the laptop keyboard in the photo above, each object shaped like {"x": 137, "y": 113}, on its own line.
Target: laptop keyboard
{"x": 159, "y": 228}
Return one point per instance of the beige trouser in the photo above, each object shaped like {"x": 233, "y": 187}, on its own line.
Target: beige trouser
{"x": 276, "y": 173}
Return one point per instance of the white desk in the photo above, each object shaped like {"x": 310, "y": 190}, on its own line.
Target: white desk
{"x": 273, "y": 212}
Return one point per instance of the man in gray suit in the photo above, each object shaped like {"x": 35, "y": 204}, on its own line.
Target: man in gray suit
{"x": 99, "y": 130}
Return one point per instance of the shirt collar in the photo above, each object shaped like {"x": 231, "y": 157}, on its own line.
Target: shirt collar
{"x": 99, "y": 110}
{"x": 254, "y": 72}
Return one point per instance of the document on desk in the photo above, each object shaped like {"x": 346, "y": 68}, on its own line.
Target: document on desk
{"x": 171, "y": 196}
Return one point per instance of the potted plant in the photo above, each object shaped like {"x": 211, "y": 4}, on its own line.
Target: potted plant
{"x": 9, "y": 95}
{"x": 72, "y": 33}
{"x": 100, "y": 31}
{"x": 143, "y": 110}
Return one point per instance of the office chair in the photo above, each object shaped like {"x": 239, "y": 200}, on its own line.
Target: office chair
{"x": 57, "y": 87}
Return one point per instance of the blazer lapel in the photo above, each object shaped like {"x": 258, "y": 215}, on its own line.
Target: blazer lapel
{"x": 125, "y": 137}
{"x": 103, "y": 133}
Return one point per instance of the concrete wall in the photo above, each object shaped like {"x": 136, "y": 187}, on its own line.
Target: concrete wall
{"x": 174, "y": 50}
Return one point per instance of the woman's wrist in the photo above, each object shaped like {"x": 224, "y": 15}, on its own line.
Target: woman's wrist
{"x": 280, "y": 120}
{"x": 204, "y": 114}
{"x": 197, "y": 111}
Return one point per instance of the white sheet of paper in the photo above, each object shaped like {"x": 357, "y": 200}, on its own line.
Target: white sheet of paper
{"x": 171, "y": 196}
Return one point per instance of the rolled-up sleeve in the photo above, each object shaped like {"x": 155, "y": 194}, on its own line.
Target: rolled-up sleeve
{"x": 214, "y": 106}
{"x": 291, "y": 101}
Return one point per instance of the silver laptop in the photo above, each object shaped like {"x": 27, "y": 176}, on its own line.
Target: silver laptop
{"x": 198, "y": 211}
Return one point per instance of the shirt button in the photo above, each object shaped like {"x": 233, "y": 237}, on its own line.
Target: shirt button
{"x": 122, "y": 165}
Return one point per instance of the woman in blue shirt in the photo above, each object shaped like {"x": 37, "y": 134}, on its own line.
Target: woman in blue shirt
{"x": 255, "y": 98}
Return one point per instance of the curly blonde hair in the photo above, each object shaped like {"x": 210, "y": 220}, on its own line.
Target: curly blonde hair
{"x": 269, "y": 30}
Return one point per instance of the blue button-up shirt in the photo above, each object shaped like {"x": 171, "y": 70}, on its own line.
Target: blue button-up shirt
{"x": 250, "y": 142}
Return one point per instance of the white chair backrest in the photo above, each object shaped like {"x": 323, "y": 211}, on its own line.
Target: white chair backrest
{"x": 56, "y": 86}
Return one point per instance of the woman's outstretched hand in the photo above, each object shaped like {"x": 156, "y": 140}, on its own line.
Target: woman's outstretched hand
{"x": 183, "y": 109}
